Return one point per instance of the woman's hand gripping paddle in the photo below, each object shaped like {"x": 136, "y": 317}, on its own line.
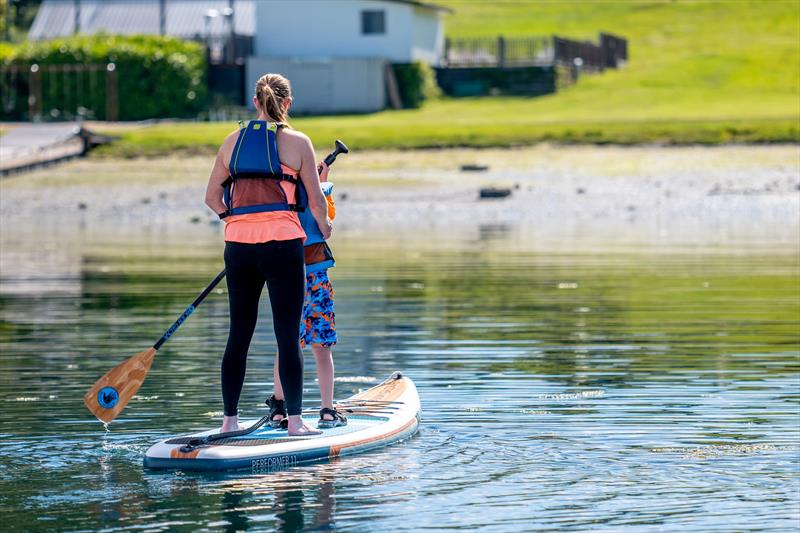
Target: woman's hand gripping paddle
{"x": 112, "y": 392}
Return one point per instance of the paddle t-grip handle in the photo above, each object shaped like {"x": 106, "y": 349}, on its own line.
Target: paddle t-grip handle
{"x": 341, "y": 148}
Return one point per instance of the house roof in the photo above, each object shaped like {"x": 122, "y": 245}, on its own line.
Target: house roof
{"x": 184, "y": 18}
{"x": 422, "y": 4}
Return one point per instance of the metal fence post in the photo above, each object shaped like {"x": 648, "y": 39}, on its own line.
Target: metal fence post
{"x": 501, "y": 51}
{"x": 35, "y": 94}
{"x": 112, "y": 104}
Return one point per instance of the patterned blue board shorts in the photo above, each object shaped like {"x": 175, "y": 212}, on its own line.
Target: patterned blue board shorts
{"x": 318, "y": 324}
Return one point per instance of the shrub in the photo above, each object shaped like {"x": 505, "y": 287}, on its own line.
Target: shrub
{"x": 416, "y": 82}
{"x": 156, "y": 76}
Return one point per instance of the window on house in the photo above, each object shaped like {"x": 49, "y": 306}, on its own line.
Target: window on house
{"x": 373, "y": 22}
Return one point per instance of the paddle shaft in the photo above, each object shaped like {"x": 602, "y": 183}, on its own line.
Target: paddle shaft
{"x": 189, "y": 310}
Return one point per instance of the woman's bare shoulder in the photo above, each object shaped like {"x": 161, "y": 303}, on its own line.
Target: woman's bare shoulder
{"x": 230, "y": 140}
{"x": 229, "y": 143}
{"x": 295, "y": 137}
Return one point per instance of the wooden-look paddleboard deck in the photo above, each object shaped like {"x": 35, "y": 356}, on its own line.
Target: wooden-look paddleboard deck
{"x": 384, "y": 414}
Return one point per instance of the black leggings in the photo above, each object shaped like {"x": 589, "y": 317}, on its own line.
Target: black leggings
{"x": 280, "y": 264}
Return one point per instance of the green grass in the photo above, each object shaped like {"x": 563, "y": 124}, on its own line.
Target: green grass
{"x": 717, "y": 58}
{"x": 699, "y": 72}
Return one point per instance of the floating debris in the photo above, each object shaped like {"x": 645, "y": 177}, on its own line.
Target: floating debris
{"x": 494, "y": 192}
{"x": 567, "y": 285}
{"x": 474, "y": 168}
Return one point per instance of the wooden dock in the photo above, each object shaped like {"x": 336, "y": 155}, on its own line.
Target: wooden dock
{"x": 30, "y": 146}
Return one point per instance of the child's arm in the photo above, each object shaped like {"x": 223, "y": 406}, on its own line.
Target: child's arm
{"x": 323, "y": 170}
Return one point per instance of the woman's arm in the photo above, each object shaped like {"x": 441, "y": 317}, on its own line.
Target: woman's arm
{"x": 219, "y": 173}
{"x": 316, "y": 200}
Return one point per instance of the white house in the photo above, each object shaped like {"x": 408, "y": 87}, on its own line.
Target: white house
{"x": 395, "y": 30}
{"x": 336, "y": 52}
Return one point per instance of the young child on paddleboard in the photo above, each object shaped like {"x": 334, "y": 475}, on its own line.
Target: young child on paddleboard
{"x": 318, "y": 327}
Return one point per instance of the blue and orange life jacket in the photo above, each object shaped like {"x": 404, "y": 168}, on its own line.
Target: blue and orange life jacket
{"x": 254, "y": 186}
{"x": 318, "y": 253}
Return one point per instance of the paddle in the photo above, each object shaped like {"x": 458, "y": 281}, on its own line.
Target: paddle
{"x": 112, "y": 392}
{"x": 341, "y": 148}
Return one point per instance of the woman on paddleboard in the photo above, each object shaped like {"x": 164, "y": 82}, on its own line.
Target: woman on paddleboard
{"x": 253, "y": 187}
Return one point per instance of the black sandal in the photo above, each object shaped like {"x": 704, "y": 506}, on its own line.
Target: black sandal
{"x": 277, "y": 407}
{"x": 338, "y": 418}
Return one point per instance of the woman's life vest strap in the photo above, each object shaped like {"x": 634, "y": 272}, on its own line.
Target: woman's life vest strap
{"x": 318, "y": 254}
{"x": 254, "y": 184}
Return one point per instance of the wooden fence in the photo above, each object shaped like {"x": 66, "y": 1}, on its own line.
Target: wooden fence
{"x": 498, "y": 52}
{"x": 536, "y": 51}
{"x": 36, "y": 92}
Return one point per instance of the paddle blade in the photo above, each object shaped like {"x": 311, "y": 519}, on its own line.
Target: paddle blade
{"x": 111, "y": 393}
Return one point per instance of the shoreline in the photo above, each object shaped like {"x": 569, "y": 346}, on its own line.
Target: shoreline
{"x": 596, "y": 195}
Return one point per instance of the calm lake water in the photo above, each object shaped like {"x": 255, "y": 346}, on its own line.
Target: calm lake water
{"x": 608, "y": 390}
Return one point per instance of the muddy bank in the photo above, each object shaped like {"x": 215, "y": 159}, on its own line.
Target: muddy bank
{"x": 592, "y": 195}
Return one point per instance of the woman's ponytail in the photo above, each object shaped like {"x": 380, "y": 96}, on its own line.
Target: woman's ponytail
{"x": 271, "y": 91}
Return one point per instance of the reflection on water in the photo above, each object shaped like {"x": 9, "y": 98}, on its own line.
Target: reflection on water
{"x": 559, "y": 389}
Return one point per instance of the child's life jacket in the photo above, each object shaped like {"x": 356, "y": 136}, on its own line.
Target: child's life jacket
{"x": 318, "y": 253}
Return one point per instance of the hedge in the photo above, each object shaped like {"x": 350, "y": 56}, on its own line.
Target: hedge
{"x": 156, "y": 76}
{"x": 417, "y": 83}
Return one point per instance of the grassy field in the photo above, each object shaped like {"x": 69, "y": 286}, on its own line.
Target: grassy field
{"x": 705, "y": 72}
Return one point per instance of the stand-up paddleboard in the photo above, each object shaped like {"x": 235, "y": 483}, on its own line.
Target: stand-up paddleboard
{"x": 384, "y": 414}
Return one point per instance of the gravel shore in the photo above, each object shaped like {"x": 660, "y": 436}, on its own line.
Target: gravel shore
{"x": 598, "y": 196}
